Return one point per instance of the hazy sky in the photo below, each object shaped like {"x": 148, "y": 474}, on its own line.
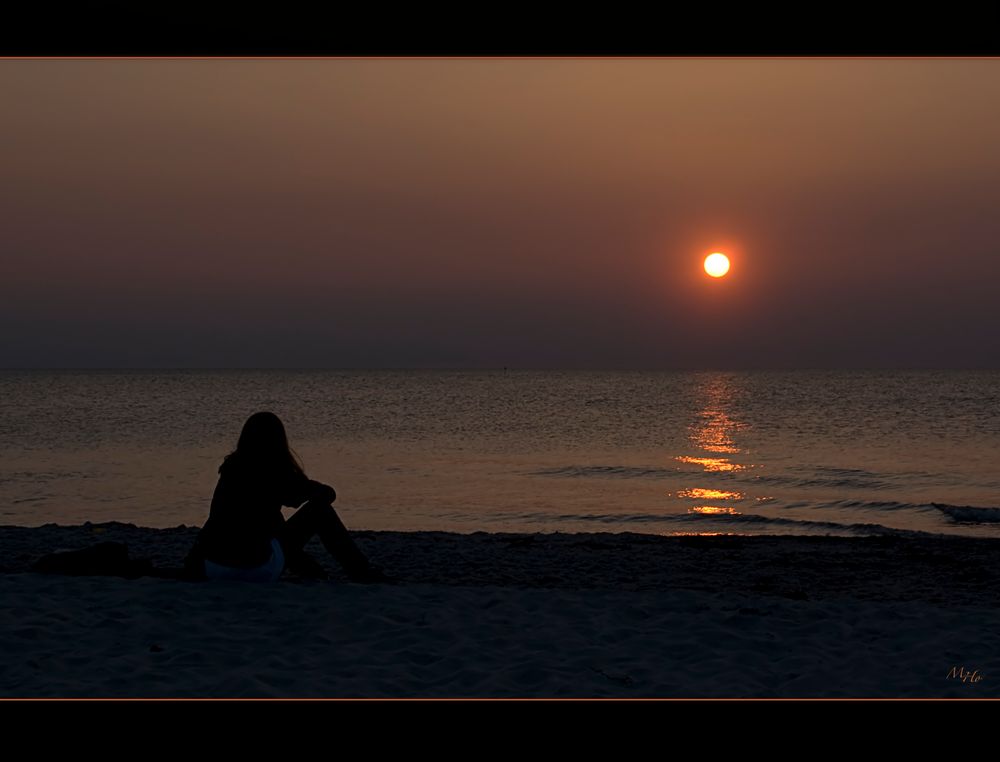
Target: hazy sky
{"x": 482, "y": 213}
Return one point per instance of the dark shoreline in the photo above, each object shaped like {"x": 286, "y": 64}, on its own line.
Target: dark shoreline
{"x": 944, "y": 570}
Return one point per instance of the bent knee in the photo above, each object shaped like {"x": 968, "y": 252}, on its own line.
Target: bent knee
{"x": 317, "y": 506}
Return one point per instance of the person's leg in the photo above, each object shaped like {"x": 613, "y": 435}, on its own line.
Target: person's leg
{"x": 318, "y": 518}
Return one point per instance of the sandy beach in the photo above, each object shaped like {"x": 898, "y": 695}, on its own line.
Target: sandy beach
{"x": 494, "y": 615}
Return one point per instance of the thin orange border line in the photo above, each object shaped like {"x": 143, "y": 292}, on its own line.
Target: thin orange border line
{"x": 264, "y": 57}
{"x": 486, "y": 698}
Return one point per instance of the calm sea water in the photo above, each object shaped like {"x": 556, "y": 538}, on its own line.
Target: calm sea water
{"x": 669, "y": 453}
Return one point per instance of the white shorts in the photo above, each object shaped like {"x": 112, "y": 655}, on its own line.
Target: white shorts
{"x": 266, "y": 572}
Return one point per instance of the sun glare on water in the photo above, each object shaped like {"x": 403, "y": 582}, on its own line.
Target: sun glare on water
{"x": 717, "y": 264}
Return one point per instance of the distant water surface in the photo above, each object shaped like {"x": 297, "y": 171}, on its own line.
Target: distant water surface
{"x": 670, "y": 453}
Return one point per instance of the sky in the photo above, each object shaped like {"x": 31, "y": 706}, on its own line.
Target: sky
{"x": 482, "y": 213}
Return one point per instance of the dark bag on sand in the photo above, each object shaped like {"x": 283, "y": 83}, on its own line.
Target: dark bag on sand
{"x": 109, "y": 559}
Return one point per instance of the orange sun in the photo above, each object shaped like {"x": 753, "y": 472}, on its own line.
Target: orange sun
{"x": 717, "y": 264}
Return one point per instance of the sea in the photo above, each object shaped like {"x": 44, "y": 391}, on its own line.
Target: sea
{"x": 851, "y": 453}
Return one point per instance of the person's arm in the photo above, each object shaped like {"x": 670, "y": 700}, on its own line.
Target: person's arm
{"x": 301, "y": 488}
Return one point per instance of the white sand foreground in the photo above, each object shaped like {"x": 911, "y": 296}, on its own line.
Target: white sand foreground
{"x": 616, "y": 616}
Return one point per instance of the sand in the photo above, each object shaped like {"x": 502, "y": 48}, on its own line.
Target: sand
{"x": 506, "y": 615}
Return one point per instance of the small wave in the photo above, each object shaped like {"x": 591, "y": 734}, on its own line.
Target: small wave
{"x": 844, "y": 480}
{"x": 751, "y": 518}
{"x": 877, "y": 505}
{"x": 967, "y": 514}
{"x": 869, "y": 529}
{"x": 623, "y": 472}
{"x": 829, "y": 476}
{"x": 852, "y": 472}
{"x": 598, "y": 518}
{"x": 847, "y": 481}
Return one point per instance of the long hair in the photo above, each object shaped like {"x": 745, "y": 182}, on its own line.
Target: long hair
{"x": 263, "y": 445}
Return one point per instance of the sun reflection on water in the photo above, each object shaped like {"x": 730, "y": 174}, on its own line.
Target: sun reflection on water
{"x": 714, "y": 509}
{"x": 712, "y": 464}
{"x": 711, "y": 494}
{"x": 713, "y": 436}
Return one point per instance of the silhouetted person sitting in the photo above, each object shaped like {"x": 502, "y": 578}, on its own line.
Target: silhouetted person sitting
{"x": 247, "y": 538}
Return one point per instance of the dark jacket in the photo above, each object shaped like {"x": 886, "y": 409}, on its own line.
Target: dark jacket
{"x": 246, "y": 512}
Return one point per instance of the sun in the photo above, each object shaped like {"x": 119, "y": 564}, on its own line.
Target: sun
{"x": 717, "y": 264}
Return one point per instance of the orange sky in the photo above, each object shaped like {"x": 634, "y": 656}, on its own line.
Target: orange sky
{"x": 545, "y": 213}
